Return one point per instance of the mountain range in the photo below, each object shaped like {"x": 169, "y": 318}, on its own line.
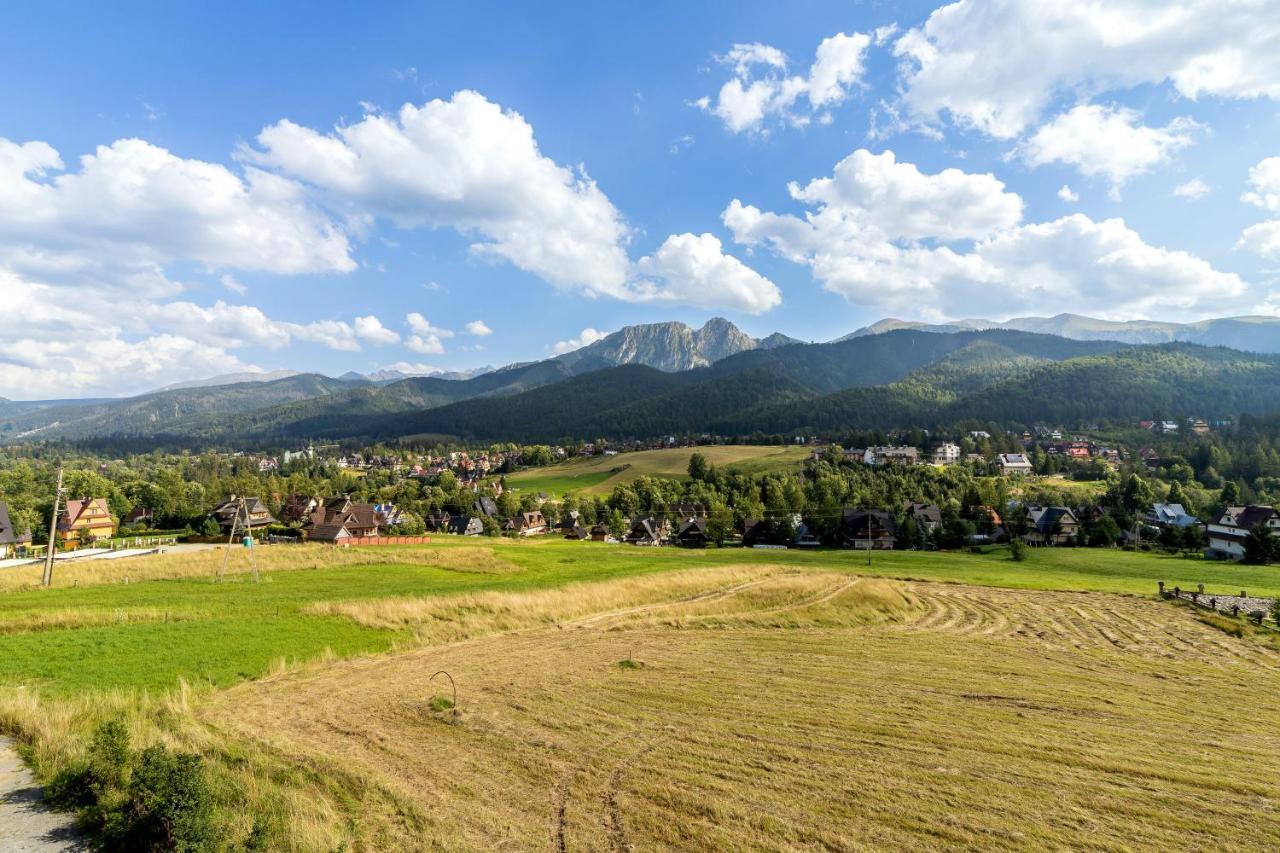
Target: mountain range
{"x": 669, "y": 378}
{"x": 1253, "y": 334}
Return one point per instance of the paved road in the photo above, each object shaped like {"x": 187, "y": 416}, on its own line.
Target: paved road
{"x": 26, "y": 826}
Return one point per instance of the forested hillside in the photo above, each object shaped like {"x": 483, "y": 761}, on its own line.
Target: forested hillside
{"x": 899, "y": 379}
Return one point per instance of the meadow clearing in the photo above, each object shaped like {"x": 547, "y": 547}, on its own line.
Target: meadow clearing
{"x": 597, "y": 475}
{"x": 612, "y": 696}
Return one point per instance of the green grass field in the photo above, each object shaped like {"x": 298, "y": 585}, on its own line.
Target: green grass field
{"x": 148, "y": 635}
{"x": 597, "y": 475}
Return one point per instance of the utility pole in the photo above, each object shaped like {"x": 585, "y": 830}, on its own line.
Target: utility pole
{"x": 53, "y": 534}
{"x": 242, "y": 509}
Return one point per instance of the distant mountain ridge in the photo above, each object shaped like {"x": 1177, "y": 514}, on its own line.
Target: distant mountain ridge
{"x": 878, "y": 379}
{"x": 1249, "y": 333}
{"x": 670, "y": 347}
{"x": 230, "y": 379}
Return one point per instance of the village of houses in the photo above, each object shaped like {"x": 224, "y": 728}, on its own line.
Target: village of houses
{"x": 85, "y": 524}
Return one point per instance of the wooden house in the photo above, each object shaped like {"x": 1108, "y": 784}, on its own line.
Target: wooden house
{"x": 84, "y": 521}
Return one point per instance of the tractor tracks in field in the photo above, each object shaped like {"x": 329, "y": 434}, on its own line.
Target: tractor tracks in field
{"x": 612, "y": 817}
{"x": 1077, "y": 621}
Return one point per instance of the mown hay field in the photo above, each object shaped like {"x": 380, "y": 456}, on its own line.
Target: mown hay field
{"x": 768, "y": 708}
{"x": 597, "y": 475}
{"x": 775, "y": 700}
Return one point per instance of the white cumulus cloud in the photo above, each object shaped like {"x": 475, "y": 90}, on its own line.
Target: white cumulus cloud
{"x": 478, "y": 328}
{"x": 996, "y": 65}
{"x": 1106, "y": 141}
{"x": 761, "y": 89}
{"x": 1194, "y": 188}
{"x": 425, "y": 338}
{"x": 465, "y": 164}
{"x": 936, "y": 253}
{"x": 693, "y": 269}
{"x": 370, "y": 329}
{"x": 1263, "y": 239}
{"x": 1067, "y": 194}
{"x": 132, "y": 204}
{"x": 1264, "y": 179}
{"x": 587, "y": 337}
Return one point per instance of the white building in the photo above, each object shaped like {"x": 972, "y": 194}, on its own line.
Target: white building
{"x": 1227, "y": 532}
{"x": 946, "y": 454}
{"x": 1014, "y": 463}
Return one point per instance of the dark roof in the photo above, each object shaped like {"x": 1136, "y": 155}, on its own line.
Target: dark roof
{"x": 694, "y": 527}
{"x": 139, "y": 512}
{"x": 1245, "y": 517}
{"x": 328, "y": 532}
{"x": 226, "y": 510}
{"x": 1044, "y": 517}
{"x": 925, "y": 512}
{"x": 644, "y": 528}
{"x": 8, "y": 536}
{"x": 463, "y": 523}
{"x": 855, "y": 523}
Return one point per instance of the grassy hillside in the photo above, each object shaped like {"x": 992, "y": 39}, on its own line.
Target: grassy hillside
{"x": 599, "y": 474}
{"x": 310, "y": 694}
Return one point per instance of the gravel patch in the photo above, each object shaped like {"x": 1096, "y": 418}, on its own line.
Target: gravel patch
{"x": 26, "y": 824}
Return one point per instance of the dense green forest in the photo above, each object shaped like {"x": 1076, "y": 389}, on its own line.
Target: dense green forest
{"x": 994, "y": 385}
{"x": 554, "y": 397}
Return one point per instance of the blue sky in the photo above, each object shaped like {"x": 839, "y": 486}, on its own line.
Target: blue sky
{"x": 262, "y": 200}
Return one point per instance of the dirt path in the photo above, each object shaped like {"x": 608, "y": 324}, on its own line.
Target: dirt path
{"x": 25, "y": 823}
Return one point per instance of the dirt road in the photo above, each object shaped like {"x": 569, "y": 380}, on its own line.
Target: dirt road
{"x": 26, "y": 825}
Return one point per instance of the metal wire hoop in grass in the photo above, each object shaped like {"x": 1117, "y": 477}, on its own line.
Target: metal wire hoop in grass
{"x": 451, "y": 684}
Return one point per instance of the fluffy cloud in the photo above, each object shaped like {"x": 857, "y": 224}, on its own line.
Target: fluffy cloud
{"x": 996, "y": 66}
{"x": 33, "y": 367}
{"x": 466, "y": 164}
{"x": 589, "y": 336}
{"x": 132, "y": 204}
{"x": 694, "y": 270}
{"x": 761, "y": 89}
{"x": 898, "y": 249}
{"x": 1262, "y": 239}
{"x": 425, "y": 338}
{"x": 371, "y": 329}
{"x": 1194, "y": 188}
{"x": 1264, "y": 179}
{"x": 478, "y": 328}
{"x": 876, "y": 190}
{"x": 1103, "y": 141}
{"x": 1067, "y": 194}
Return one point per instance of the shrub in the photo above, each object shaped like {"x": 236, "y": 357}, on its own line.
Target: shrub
{"x": 169, "y": 806}
{"x": 104, "y": 770}
{"x": 153, "y": 801}
{"x": 1017, "y": 550}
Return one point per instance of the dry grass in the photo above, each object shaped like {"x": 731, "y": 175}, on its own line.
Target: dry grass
{"x": 988, "y": 719}
{"x": 311, "y": 804}
{"x": 759, "y": 595}
{"x": 85, "y": 617}
{"x": 270, "y": 558}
